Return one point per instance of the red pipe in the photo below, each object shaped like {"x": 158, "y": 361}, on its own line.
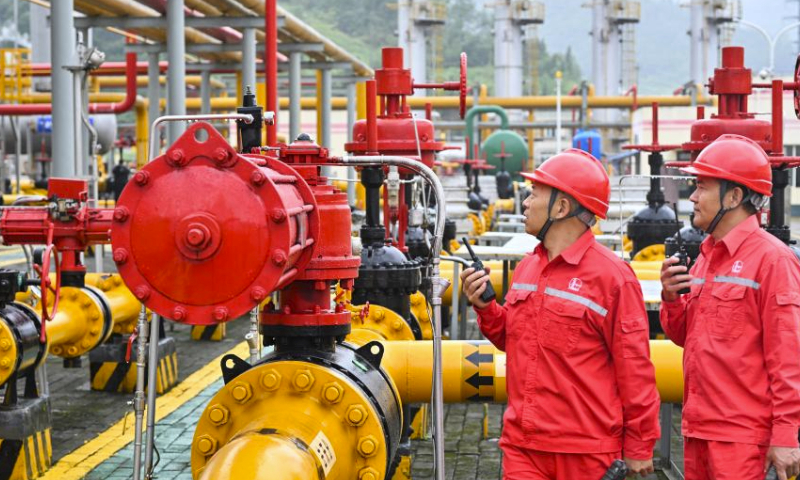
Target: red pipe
{"x": 777, "y": 117}
{"x": 372, "y": 119}
{"x": 123, "y": 106}
{"x": 130, "y": 91}
{"x": 271, "y": 66}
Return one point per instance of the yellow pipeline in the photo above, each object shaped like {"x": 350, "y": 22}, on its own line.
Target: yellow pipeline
{"x": 143, "y": 81}
{"x": 255, "y": 455}
{"x": 123, "y": 304}
{"x": 78, "y": 325}
{"x": 468, "y": 366}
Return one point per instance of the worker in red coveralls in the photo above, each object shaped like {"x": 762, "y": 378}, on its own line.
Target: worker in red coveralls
{"x": 581, "y": 387}
{"x": 739, "y": 326}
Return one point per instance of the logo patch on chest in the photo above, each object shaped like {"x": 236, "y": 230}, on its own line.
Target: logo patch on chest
{"x": 575, "y": 284}
{"x": 737, "y": 266}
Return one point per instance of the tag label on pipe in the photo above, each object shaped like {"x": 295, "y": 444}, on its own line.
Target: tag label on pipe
{"x": 499, "y": 366}
{"x": 323, "y": 449}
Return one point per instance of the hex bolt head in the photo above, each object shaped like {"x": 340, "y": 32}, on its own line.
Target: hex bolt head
{"x": 142, "y": 292}
{"x": 175, "y": 155}
{"x": 332, "y": 392}
{"x": 368, "y": 473}
{"x": 279, "y": 258}
{"x": 179, "y": 313}
{"x": 5, "y": 344}
{"x": 278, "y": 215}
{"x": 220, "y": 154}
{"x": 121, "y": 214}
{"x": 218, "y": 414}
{"x": 5, "y": 362}
{"x": 356, "y": 415}
{"x": 271, "y": 380}
{"x": 258, "y": 178}
{"x": 241, "y": 392}
{"x": 379, "y": 315}
{"x": 258, "y": 294}
{"x": 220, "y": 314}
{"x": 141, "y": 178}
{"x": 206, "y": 444}
{"x": 120, "y": 255}
{"x": 302, "y": 380}
{"x": 397, "y": 325}
{"x": 367, "y": 446}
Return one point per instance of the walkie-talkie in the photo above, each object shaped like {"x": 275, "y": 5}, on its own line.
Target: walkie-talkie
{"x": 617, "y": 471}
{"x": 683, "y": 257}
{"x": 772, "y": 474}
{"x": 488, "y": 295}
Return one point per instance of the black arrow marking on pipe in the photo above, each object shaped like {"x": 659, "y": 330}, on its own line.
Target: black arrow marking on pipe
{"x": 480, "y": 398}
{"x": 476, "y": 358}
{"x": 477, "y": 380}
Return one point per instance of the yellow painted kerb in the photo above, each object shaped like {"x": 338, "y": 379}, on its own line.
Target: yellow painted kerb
{"x": 80, "y": 462}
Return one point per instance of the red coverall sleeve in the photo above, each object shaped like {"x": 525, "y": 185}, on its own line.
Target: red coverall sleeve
{"x": 492, "y": 322}
{"x": 673, "y": 319}
{"x": 780, "y": 317}
{"x": 627, "y": 328}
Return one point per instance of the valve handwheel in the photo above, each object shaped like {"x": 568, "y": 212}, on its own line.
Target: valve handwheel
{"x": 796, "y": 91}
{"x": 46, "y": 285}
{"x": 462, "y": 91}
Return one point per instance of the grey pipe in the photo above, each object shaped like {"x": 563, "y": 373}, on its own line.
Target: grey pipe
{"x": 351, "y": 121}
{"x": 62, "y": 43}
{"x": 176, "y": 75}
{"x": 439, "y": 285}
{"x": 248, "y": 58}
{"x": 17, "y": 150}
{"x": 295, "y": 94}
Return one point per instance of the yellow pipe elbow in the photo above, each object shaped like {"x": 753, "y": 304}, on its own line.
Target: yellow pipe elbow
{"x": 256, "y": 455}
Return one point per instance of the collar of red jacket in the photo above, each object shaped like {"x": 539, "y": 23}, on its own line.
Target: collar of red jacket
{"x": 574, "y": 253}
{"x": 734, "y": 239}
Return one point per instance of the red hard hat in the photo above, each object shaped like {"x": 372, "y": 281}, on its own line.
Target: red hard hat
{"x": 737, "y": 159}
{"x": 578, "y": 174}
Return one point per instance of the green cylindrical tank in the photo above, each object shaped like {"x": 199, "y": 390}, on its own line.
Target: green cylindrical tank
{"x": 513, "y": 145}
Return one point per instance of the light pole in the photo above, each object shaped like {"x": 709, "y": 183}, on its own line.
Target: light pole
{"x": 772, "y": 41}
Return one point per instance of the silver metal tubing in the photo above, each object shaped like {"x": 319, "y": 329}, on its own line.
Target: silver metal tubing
{"x": 439, "y": 286}
{"x": 138, "y": 396}
{"x": 152, "y": 370}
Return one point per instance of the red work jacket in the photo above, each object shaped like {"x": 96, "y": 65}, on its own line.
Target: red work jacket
{"x": 575, "y": 332}
{"x": 740, "y": 330}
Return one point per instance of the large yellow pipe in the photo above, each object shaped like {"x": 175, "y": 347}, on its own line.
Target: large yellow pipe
{"x": 476, "y": 370}
{"x": 254, "y": 456}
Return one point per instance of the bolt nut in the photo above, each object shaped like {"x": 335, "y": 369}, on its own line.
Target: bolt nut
{"x": 332, "y": 392}
{"x": 218, "y": 415}
{"x": 206, "y": 444}
{"x": 279, "y": 258}
{"x": 220, "y": 154}
{"x": 72, "y": 351}
{"x": 179, "y": 313}
{"x": 271, "y": 380}
{"x": 415, "y": 299}
{"x": 356, "y": 415}
{"x": 241, "y": 391}
{"x": 5, "y": 344}
{"x": 57, "y": 350}
{"x": 86, "y": 344}
{"x": 258, "y": 294}
{"x": 5, "y": 362}
{"x": 141, "y": 178}
{"x": 379, "y": 315}
{"x": 278, "y": 215}
{"x": 121, "y": 214}
{"x": 397, "y": 325}
{"x": 303, "y": 380}
{"x": 175, "y": 156}
{"x": 120, "y": 255}
{"x": 258, "y": 178}
{"x": 142, "y": 292}
{"x": 367, "y": 446}
{"x": 368, "y": 473}
{"x": 220, "y": 314}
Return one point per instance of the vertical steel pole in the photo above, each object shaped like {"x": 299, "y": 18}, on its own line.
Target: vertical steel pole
{"x": 325, "y": 113}
{"x": 205, "y": 92}
{"x": 249, "y": 59}
{"x": 295, "y": 86}
{"x": 176, "y": 73}
{"x": 153, "y": 88}
{"x": 62, "y": 45}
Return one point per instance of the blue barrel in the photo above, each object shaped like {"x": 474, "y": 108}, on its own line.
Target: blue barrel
{"x": 588, "y": 141}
